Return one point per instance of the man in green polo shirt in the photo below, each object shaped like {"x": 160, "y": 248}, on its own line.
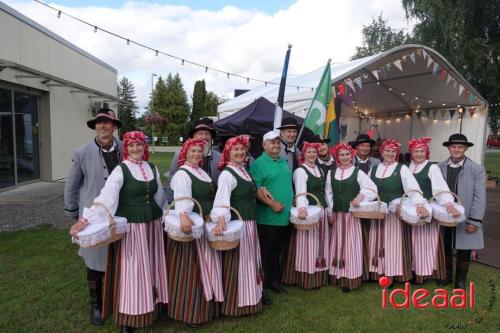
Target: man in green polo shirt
{"x": 273, "y": 179}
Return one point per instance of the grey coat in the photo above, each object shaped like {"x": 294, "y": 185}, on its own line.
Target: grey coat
{"x": 472, "y": 192}
{"x": 86, "y": 178}
{"x": 287, "y": 156}
{"x": 213, "y": 170}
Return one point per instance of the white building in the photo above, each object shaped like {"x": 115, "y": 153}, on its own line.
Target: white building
{"x": 49, "y": 88}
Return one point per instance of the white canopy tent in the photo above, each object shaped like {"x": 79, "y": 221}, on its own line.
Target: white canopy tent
{"x": 409, "y": 91}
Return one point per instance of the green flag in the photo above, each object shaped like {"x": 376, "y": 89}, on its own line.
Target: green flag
{"x": 316, "y": 116}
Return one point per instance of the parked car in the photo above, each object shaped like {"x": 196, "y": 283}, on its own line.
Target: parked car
{"x": 493, "y": 141}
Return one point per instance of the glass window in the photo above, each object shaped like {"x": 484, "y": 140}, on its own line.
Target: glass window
{"x": 7, "y": 177}
{"x": 26, "y": 122}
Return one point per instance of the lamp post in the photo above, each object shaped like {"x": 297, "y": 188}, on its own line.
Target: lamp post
{"x": 461, "y": 112}
{"x": 151, "y": 111}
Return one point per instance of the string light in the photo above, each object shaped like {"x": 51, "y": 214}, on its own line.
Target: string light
{"x": 95, "y": 28}
{"x": 128, "y": 41}
{"x": 182, "y": 63}
{"x": 206, "y": 69}
{"x": 59, "y": 14}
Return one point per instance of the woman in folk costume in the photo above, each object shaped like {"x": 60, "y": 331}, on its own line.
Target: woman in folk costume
{"x": 194, "y": 279}
{"x": 136, "y": 274}
{"x": 389, "y": 239}
{"x": 347, "y": 185}
{"x": 306, "y": 263}
{"x": 427, "y": 247}
{"x": 241, "y": 267}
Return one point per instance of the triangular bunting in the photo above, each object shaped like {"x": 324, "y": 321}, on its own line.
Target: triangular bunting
{"x": 448, "y": 79}
{"x": 397, "y": 63}
{"x": 350, "y": 84}
{"x": 434, "y": 113}
{"x": 452, "y": 113}
{"x": 443, "y": 114}
{"x": 435, "y": 69}
{"x": 472, "y": 111}
{"x": 426, "y": 112}
{"x": 442, "y": 74}
{"x": 429, "y": 62}
{"x": 404, "y": 57}
{"x": 455, "y": 83}
{"x": 412, "y": 57}
{"x": 375, "y": 73}
{"x": 419, "y": 114}
{"x": 419, "y": 52}
{"x": 424, "y": 54}
{"x": 388, "y": 66}
{"x": 358, "y": 82}
{"x": 460, "y": 89}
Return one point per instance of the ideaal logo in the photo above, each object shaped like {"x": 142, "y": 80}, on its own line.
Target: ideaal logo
{"x": 440, "y": 298}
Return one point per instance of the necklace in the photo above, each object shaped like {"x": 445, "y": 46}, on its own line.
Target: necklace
{"x": 312, "y": 168}
{"x": 196, "y": 169}
{"x": 141, "y": 167}
{"x": 386, "y": 166}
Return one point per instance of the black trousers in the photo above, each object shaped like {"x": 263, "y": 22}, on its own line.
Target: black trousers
{"x": 463, "y": 256}
{"x": 272, "y": 241}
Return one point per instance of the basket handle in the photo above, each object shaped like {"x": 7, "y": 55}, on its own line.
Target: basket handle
{"x": 440, "y": 192}
{"x": 166, "y": 211}
{"x": 311, "y": 195}
{"x": 112, "y": 222}
{"x": 231, "y": 209}
{"x": 376, "y": 193}
{"x": 406, "y": 194}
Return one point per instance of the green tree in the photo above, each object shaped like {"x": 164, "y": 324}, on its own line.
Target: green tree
{"x": 199, "y": 109}
{"x": 175, "y": 110}
{"x": 378, "y": 37}
{"x": 127, "y": 106}
{"x": 467, "y": 33}
{"x": 212, "y": 103}
{"x": 158, "y": 105}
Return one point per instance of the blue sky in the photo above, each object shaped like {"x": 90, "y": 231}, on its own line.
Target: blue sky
{"x": 266, "y": 6}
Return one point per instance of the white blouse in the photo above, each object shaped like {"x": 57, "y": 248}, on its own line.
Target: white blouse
{"x": 225, "y": 185}
{"x": 367, "y": 187}
{"x": 300, "y": 177}
{"x": 110, "y": 193}
{"x": 181, "y": 186}
{"x": 437, "y": 181}
{"x": 408, "y": 180}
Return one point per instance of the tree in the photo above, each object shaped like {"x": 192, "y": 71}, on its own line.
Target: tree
{"x": 127, "y": 106}
{"x": 467, "y": 33}
{"x": 157, "y": 106}
{"x": 175, "y": 110}
{"x": 379, "y": 37}
{"x": 199, "y": 109}
{"x": 212, "y": 103}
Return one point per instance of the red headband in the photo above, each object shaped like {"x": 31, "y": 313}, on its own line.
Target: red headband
{"x": 336, "y": 151}
{"x": 391, "y": 144}
{"x": 420, "y": 143}
{"x": 185, "y": 148}
{"x": 135, "y": 137}
{"x": 306, "y": 145}
{"x": 230, "y": 144}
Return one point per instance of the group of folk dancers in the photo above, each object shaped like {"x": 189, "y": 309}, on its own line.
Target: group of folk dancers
{"x": 196, "y": 283}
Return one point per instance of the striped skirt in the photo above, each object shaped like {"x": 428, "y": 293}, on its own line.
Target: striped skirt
{"x": 390, "y": 248}
{"x": 307, "y": 256}
{"x": 136, "y": 276}
{"x": 346, "y": 249}
{"x": 242, "y": 275}
{"x": 186, "y": 292}
{"x": 427, "y": 252}
{"x": 365, "y": 227}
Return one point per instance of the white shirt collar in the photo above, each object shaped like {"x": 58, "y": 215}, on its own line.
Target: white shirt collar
{"x": 456, "y": 165}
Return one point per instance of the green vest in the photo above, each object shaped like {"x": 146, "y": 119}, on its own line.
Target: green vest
{"x": 203, "y": 192}
{"x": 137, "y": 198}
{"x": 389, "y": 188}
{"x": 344, "y": 191}
{"x": 424, "y": 181}
{"x": 243, "y": 197}
{"x": 316, "y": 186}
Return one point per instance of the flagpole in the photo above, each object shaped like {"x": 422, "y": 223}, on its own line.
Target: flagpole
{"x": 278, "y": 110}
{"x": 303, "y": 123}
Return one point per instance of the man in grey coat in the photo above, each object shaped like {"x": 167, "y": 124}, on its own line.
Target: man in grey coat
{"x": 363, "y": 145}
{"x": 202, "y": 129}
{"x": 468, "y": 180}
{"x": 91, "y": 165}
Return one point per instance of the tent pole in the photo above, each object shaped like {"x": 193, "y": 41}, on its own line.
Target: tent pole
{"x": 411, "y": 124}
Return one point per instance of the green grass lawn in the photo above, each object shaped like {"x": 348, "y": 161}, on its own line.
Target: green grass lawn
{"x": 162, "y": 162}
{"x": 492, "y": 163}
{"x": 43, "y": 289}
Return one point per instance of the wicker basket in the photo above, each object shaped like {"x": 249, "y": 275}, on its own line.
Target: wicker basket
{"x": 444, "y": 223}
{"x": 373, "y": 215}
{"x": 422, "y": 221}
{"x": 224, "y": 245}
{"x": 112, "y": 229}
{"x": 306, "y": 226}
{"x": 179, "y": 237}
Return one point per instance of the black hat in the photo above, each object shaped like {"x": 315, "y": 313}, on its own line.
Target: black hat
{"x": 318, "y": 139}
{"x": 362, "y": 138}
{"x": 203, "y": 124}
{"x": 458, "y": 139}
{"x": 289, "y": 123}
{"x": 243, "y": 131}
{"x": 104, "y": 114}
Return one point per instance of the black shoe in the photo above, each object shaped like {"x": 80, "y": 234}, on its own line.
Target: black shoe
{"x": 461, "y": 273}
{"x": 345, "y": 290}
{"x": 95, "y": 295}
{"x": 126, "y": 329}
{"x": 266, "y": 299}
{"x": 447, "y": 281}
{"x": 193, "y": 325}
{"x": 277, "y": 287}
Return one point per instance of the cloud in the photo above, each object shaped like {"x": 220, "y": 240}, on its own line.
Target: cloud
{"x": 247, "y": 42}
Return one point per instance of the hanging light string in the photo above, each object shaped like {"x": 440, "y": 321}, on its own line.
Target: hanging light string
{"x": 158, "y": 52}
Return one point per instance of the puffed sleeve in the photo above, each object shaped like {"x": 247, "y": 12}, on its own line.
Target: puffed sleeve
{"x": 329, "y": 190}
{"x": 410, "y": 183}
{"x": 368, "y": 189}
{"x": 300, "y": 182}
{"x": 439, "y": 185}
{"x": 225, "y": 185}
{"x": 160, "y": 196}
{"x": 110, "y": 193}
{"x": 181, "y": 186}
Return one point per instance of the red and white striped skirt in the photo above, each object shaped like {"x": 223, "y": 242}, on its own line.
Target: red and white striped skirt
{"x": 425, "y": 249}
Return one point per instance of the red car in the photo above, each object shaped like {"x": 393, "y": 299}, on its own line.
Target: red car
{"x": 493, "y": 142}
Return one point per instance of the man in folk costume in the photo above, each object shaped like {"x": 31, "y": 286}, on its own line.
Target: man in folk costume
{"x": 325, "y": 161}
{"x": 91, "y": 165}
{"x": 345, "y": 185}
{"x": 273, "y": 179}
{"x": 363, "y": 146}
{"x": 427, "y": 246}
{"x": 467, "y": 179}
{"x": 389, "y": 239}
{"x": 288, "y": 135}
{"x": 203, "y": 130}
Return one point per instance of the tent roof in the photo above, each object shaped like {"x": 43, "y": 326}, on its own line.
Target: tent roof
{"x": 415, "y": 86}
